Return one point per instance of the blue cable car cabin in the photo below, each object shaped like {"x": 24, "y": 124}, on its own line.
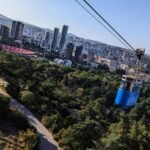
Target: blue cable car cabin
{"x": 129, "y": 91}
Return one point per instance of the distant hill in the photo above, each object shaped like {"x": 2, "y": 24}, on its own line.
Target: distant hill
{"x": 38, "y": 33}
{"x": 4, "y": 17}
{"x": 29, "y": 30}
{"x": 5, "y": 21}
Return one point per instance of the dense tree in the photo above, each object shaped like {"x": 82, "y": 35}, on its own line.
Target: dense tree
{"x": 4, "y": 106}
{"x": 77, "y": 104}
{"x": 4, "y": 102}
{"x": 82, "y": 135}
{"x": 31, "y": 139}
{"x": 28, "y": 97}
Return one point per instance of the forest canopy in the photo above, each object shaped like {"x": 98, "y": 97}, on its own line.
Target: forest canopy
{"x": 78, "y": 106}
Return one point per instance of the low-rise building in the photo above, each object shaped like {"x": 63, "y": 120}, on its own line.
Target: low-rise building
{"x": 63, "y": 62}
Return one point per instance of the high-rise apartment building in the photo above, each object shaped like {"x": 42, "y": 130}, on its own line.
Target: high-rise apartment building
{"x": 47, "y": 40}
{"x": 13, "y": 29}
{"x": 17, "y": 30}
{"x": 78, "y": 52}
{"x": 63, "y": 37}
{"x": 4, "y": 32}
{"x": 69, "y": 51}
{"x": 55, "y": 39}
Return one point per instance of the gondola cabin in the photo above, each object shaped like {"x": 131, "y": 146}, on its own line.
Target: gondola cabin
{"x": 129, "y": 91}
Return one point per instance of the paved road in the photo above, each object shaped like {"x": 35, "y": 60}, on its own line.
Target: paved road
{"x": 46, "y": 138}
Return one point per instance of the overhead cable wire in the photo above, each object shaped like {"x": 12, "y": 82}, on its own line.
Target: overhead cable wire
{"x": 109, "y": 25}
{"x": 101, "y": 23}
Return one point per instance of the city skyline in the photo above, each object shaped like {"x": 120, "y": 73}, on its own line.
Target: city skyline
{"x": 81, "y": 24}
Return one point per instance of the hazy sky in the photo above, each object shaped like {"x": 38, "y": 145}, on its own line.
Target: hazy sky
{"x": 130, "y": 17}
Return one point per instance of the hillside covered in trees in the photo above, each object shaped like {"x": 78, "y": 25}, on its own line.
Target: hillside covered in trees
{"x": 77, "y": 105}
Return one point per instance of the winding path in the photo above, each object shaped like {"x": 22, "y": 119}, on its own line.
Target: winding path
{"x": 47, "y": 141}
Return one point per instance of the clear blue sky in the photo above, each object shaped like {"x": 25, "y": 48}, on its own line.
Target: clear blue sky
{"x": 129, "y": 17}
